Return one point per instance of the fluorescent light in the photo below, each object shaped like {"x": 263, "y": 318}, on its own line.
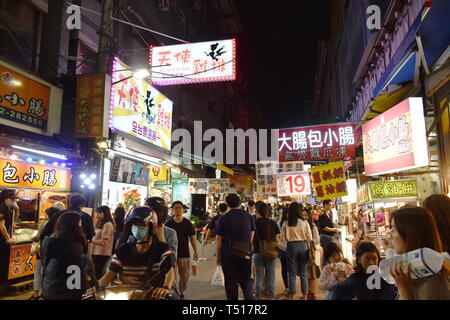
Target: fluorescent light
{"x": 93, "y": 176}
{"x": 83, "y": 176}
{"x": 141, "y": 74}
{"x": 44, "y": 153}
{"x": 87, "y": 181}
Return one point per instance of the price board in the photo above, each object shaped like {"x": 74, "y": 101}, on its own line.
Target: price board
{"x": 294, "y": 185}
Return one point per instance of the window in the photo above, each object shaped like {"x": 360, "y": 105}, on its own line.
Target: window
{"x": 20, "y": 28}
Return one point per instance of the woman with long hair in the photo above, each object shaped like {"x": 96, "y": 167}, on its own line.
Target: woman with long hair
{"x": 297, "y": 233}
{"x": 439, "y": 206}
{"x": 62, "y": 250}
{"x": 282, "y": 247}
{"x": 267, "y": 237}
{"x": 415, "y": 228}
{"x": 103, "y": 240}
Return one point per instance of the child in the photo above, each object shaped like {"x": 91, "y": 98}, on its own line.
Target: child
{"x": 355, "y": 287}
{"x": 335, "y": 270}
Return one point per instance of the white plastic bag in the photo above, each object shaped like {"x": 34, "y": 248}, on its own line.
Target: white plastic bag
{"x": 218, "y": 279}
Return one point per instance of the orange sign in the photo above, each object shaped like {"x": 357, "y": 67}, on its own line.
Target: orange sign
{"x": 90, "y": 106}
{"x": 29, "y": 175}
{"x": 23, "y": 100}
{"x": 21, "y": 263}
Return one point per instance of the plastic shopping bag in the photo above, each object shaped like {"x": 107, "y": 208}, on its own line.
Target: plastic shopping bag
{"x": 218, "y": 278}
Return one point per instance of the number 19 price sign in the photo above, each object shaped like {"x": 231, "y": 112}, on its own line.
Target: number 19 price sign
{"x": 294, "y": 185}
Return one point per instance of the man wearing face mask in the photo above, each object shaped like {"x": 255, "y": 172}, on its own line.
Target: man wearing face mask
{"x": 7, "y": 203}
{"x": 138, "y": 262}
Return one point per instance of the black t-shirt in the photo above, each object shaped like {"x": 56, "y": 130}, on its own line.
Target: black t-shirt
{"x": 184, "y": 230}
{"x": 259, "y": 235}
{"x": 6, "y": 216}
{"x": 235, "y": 225}
{"x": 130, "y": 263}
{"x": 212, "y": 225}
{"x": 325, "y": 221}
{"x": 119, "y": 216}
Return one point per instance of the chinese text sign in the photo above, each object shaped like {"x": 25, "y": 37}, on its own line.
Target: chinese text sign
{"x": 396, "y": 140}
{"x": 393, "y": 189}
{"x": 21, "y": 262}
{"x": 28, "y": 175}
{"x": 329, "y": 181}
{"x": 90, "y": 107}
{"x": 194, "y": 62}
{"x": 23, "y": 100}
{"x": 139, "y": 109}
{"x": 337, "y": 141}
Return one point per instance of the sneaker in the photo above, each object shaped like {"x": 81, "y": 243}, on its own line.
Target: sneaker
{"x": 34, "y": 297}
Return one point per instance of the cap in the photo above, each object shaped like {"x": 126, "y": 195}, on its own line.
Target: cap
{"x": 181, "y": 203}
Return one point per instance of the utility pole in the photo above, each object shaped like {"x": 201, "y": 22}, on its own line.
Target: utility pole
{"x": 105, "y": 36}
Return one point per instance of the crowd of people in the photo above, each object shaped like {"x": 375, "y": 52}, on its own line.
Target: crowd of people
{"x": 147, "y": 247}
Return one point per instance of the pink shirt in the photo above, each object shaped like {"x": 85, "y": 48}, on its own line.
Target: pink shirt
{"x": 328, "y": 277}
{"x": 106, "y": 233}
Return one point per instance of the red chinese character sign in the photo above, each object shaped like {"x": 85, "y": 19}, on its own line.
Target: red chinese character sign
{"x": 294, "y": 185}
{"x": 90, "y": 119}
{"x": 337, "y": 141}
{"x": 139, "y": 109}
{"x": 329, "y": 181}
{"x": 194, "y": 62}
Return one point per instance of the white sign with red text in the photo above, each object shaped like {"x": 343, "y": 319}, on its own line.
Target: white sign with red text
{"x": 294, "y": 185}
{"x": 193, "y": 62}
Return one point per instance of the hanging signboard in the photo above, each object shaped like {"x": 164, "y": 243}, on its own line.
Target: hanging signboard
{"x": 158, "y": 173}
{"x": 129, "y": 171}
{"x": 363, "y": 194}
{"x": 139, "y": 109}
{"x": 218, "y": 186}
{"x": 29, "y": 175}
{"x": 396, "y": 140}
{"x": 329, "y": 181}
{"x": 337, "y": 141}
{"x": 293, "y": 185}
{"x": 266, "y": 184}
{"x": 193, "y": 62}
{"x": 90, "y": 113}
{"x": 241, "y": 184}
{"x": 393, "y": 189}
{"x": 198, "y": 186}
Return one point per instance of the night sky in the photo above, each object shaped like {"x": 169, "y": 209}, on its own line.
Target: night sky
{"x": 280, "y": 70}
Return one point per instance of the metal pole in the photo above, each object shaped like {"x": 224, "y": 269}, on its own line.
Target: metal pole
{"x": 105, "y": 36}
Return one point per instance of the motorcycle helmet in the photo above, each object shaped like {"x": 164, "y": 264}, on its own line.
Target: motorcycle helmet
{"x": 144, "y": 214}
{"x": 159, "y": 205}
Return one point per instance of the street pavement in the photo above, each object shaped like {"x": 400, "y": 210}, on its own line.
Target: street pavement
{"x": 199, "y": 286}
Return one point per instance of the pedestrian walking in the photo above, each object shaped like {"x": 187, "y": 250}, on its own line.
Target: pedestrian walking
{"x": 297, "y": 233}
{"x": 61, "y": 250}
{"x": 282, "y": 247}
{"x": 328, "y": 232}
{"x": 234, "y": 238}
{"x": 185, "y": 234}
{"x": 119, "y": 218}
{"x": 103, "y": 240}
{"x": 223, "y": 208}
{"x": 335, "y": 269}
{"x": 355, "y": 287}
{"x": 36, "y": 250}
{"x": 267, "y": 237}
{"x": 415, "y": 228}
{"x": 313, "y": 265}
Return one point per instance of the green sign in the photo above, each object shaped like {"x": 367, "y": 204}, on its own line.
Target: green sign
{"x": 393, "y": 189}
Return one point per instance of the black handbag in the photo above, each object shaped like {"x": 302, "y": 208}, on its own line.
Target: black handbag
{"x": 241, "y": 250}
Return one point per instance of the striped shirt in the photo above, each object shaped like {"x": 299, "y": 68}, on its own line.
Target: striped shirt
{"x": 128, "y": 262}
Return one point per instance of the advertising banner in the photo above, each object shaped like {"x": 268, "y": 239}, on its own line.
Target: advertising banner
{"x": 241, "y": 184}
{"x": 329, "y": 181}
{"x": 293, "y": 185}
{"x": 139, "y": 109}
{"x": 129, "y": 171}
{"x": 218, "y": 186}
{"x": 327, "y": 142}
{"x": 91, "y": 118}
{"x": 29, "y": 175}
{"x": 23, "y": 100}
{"x": 393, "y": 189}
{"x": 198, "y": 186}
{"x": 193, "y": 62}
{"x": 21, "y": 263}
{"x": 396, "y": 140}
{"x": 266, "y": 183}
{"x": 158, "y": 173}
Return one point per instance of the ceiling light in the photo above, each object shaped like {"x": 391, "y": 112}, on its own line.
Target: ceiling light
{"x": 50, "y": 154}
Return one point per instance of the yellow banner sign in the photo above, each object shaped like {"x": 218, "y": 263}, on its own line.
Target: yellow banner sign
{"x": 329, "y": 181}
{"x": 158, "y": 173}
{"x": 29, "y": 175}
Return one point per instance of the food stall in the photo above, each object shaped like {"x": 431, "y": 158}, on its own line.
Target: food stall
{"x": 379, "y": 199}
{"x": 38, "y": 187}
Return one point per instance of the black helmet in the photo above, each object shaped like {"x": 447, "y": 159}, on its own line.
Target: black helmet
{"x": 159, "y": 205}
{"x": 143, "y": 214}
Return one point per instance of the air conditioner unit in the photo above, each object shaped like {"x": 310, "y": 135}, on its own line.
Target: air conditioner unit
{"x": 163, "y": 5}
{"x": 197, "y": 4}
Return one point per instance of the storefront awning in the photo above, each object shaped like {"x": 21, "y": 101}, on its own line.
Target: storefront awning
{"x": 386, "y": 101}
{"x": 224, "y": 168}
